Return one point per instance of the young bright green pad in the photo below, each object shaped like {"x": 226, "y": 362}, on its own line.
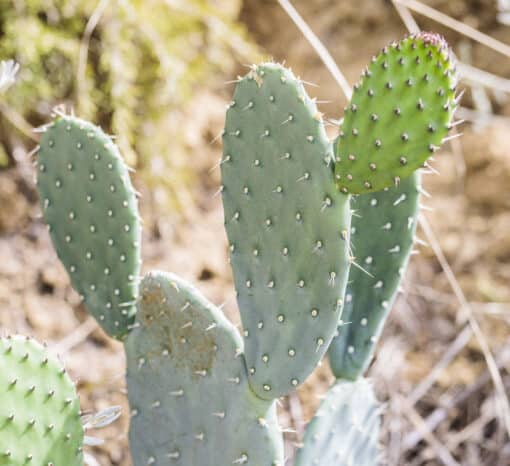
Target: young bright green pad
{"x": 90, "y": 207}
{"x": 39, "y": 408}
{"x": 188, "y": 388}
{"x": 345, "y": 430}
{"x": 287, "y": 227}
{"x": 382, "y": 236}
{"x": 398, "y": 116}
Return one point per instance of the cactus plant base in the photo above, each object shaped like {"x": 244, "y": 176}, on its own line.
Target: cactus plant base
{"x": 188, "y": 387}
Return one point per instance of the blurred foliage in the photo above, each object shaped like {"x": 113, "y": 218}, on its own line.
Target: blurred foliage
{"x": 128, "y": 65}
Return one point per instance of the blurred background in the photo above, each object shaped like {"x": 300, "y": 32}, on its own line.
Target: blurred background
{"x": 156, "y": 74}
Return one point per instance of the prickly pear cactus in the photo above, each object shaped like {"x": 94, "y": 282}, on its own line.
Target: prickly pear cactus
{"x": 188, "y": 388}
{"x": 197, "y": 397}
{"x": 287, "y": 227}
{"x": 382, "y": 235}
{"x": 398, "y": 116}
{"x": 345, "y": 430}
{"x": 39, "y": 408}
{"x": 91, "y": 210}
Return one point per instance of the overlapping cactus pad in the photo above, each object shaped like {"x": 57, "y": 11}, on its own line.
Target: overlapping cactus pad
{"x": 398, "y": 116}
{"x": 39, "y": 408}
{"x": 345, "y": 430}
{"x": 382, "y": 235}
{"x": 90, "y": 207}
{"x": 287, "y": 226}
{"x": 188, "y": 388}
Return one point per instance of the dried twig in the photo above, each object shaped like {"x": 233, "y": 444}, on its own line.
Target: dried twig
{"x": 296, "y": 413}
{"x": 17, "y": 120}
{"x": 449, "y": 402}
{"x": 407, "y": 18}
{"x": 476, "y": 116}
{"x": 84, "y": 46}
{"x": 501, "y": 396}
{"x": 473, "y": 75}
{"x": 441, "y": 451}
{"x": 318, "y": 46}
{"x": 470, "y": 74}
{"x": 453, "y": 350}
{"x": 77, "y": 336}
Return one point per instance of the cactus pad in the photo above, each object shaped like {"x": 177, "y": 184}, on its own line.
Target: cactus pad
{"x": 345, "y": 430}
{"x": 91, "y": 210}
{"x": 287, "y": 227}
{"x": 39, "y": 408}
{"x": 382, "y": 235}
{"x": 399, "y": 114}
{"x": 188, "y": 389}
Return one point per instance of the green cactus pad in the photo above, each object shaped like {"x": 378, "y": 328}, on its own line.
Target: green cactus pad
{"x": 39, "y": 408}
{"x": 398, "y": 116}
{"x": 345, "y": 430}
{"x": 382, "y": 235}
{"x": 188, "y": 389}
{"x": 91, "y": 210}
{"x": 287, "y": 227}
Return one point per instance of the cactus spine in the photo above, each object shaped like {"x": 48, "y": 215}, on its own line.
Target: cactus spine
{"x": 193, "y": 383}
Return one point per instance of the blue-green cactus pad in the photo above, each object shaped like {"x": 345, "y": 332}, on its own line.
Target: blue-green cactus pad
{"x": 90, "y": 207}
{"x": 188, "y": 389}
{"x": 398, "y": 116}
{"x": 39, "y": 408}
{"x": 382, "y": 235}
{"x": 287, "y": 227}
{"x": 345, "y": 430}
